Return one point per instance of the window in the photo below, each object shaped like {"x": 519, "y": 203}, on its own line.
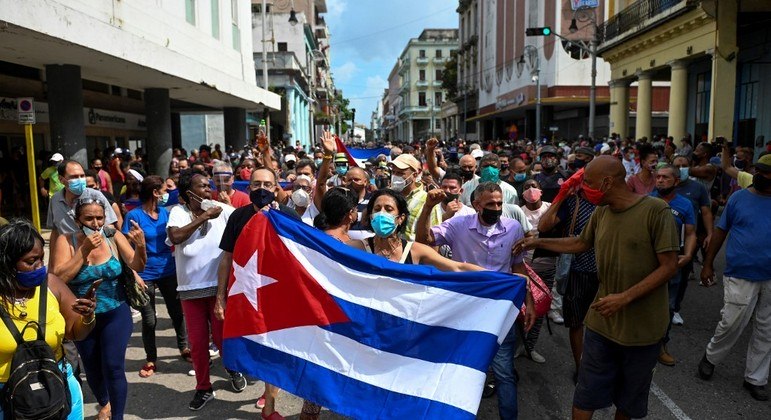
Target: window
{"x": 438, "y": 75}
{"x": 438, "y": 53}
{"x": 282, "y": 46}
{"x": 422, "y": 99}
{"x": 703, "y": 82}
{"x": 215, "y": 18}
{"x": 190, "y": 11}
{"x": 437, "y": 98}
{"x": 422, "y": 54}
{"x": 422, "y": 75}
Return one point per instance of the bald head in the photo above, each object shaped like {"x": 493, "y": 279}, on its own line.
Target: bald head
{"x": 605, "y": 166}
{"x": 468, "y": 160}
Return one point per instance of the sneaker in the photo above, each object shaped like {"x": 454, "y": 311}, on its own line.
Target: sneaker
{"x": 191, "y": 372}
{"x": 202, "y": 396}
{"x": 665, "y": 358}
{"x": 536, "y": 357}
{"x": 213, "y": 350}
{"x": 260, "y": 404}
{"x": 237, "y": 380}
{"x": 677, "y": 319}
{"x": 556, "y": 317}
{"x": 757, "y": 392}
{"x": 706, "y": 368}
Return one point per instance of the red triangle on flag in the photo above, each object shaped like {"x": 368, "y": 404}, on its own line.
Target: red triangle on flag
{"x": 288, "y": 296}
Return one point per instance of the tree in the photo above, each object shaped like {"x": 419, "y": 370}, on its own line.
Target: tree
{"x": 343, "y": 112}
{"x": 450, "y": 76}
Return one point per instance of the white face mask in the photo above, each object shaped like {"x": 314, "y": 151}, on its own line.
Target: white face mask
{"x": 398, "y": 183}
{"x": 301, "y": 198}
{"x": 206, "y": 204}
{"x": 88, "y": 231}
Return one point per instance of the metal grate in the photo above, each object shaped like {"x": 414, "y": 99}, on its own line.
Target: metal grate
{"x": 636, "y": 16}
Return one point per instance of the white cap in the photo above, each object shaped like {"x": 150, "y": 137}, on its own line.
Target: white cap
{"x": 605, "y": 148}
{"x": 118, "y": 151}
{"x": 57, "y": 157}
{"x": 290, "y": 158}
{"x": 477, "y": 154}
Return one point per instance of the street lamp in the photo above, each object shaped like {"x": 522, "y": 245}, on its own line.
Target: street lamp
{"x": 531, "y": 51}
{"x": 292, "y": 16}
{"x": 353, "y": 124}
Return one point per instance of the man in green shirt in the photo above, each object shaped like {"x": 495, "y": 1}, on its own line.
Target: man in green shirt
{"x": 52, "y": 175}
{"x": 635, "y": 242}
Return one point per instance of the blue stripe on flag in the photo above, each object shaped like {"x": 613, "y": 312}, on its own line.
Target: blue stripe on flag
{"x": 401, "y": 336}
{"x": 368, "y": 153}
{"x": 485, "y": 284}
{"x": 339, "y": 393}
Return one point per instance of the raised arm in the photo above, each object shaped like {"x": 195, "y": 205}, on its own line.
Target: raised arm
{"x": 64, "y": 264}
{"x": 329, "y": 147}
{"x": 135, "y": 257}
{"x": 433, "y": 168}
{"x": 423, "y": 232}
{"x": 180, "y": 234}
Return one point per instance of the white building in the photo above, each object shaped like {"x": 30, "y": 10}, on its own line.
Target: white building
{"x": 143, "y": 61}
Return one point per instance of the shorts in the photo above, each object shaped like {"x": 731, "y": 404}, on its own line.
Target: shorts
{"x": 579, "y": 294}
{"x": 614, "y": 374}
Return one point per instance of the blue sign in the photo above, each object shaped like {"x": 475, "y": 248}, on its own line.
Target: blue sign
{"x": 584, "y": 4}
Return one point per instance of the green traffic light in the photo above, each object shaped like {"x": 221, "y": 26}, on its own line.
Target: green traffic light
{"x": 547, "y": 31}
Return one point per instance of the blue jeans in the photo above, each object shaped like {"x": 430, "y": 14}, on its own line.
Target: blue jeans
{"x": 76, "y": 394}
{"x": 505, "y": 378}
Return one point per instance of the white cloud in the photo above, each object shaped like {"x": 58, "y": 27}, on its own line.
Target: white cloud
{"x": 335, "y": 8}
{"x": 345, "y": 73}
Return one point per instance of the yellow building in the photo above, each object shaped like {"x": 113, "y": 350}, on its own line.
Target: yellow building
{"x": 712, "y": 54}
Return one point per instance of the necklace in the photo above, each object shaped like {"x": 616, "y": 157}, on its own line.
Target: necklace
{"x": 22, "y": 302}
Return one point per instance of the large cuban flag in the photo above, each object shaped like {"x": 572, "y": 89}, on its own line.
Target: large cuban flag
{"x": 361, "y": 335}
{"x": 357, "y": 157}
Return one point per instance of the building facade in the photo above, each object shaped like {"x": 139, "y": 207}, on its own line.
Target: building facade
{"x": 719, "y": 75}
{"x": 419, "y": 72}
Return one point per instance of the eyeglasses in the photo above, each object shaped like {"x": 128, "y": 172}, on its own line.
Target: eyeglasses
{"x": 85, "y": 201}
{"x": 262, "y": 184}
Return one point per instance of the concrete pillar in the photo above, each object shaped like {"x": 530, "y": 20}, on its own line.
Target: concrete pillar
{"x": 176, "y": 130}
{"x": 723, "y": 91}
{"x": 158, "y": 145}
{"x": 678, "y": 100}
{"x": 644, "y": 106}
{"x": 619, "y": 107}
{"x": 235, "y": 127}
{"x": 65, "y": 108}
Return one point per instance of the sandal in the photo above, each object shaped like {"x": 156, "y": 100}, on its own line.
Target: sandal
{"x": 147, "y": 370}
{"x": 186, "y": 355}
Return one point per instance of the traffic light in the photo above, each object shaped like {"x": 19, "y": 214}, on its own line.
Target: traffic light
{"x": 543, "y": 31}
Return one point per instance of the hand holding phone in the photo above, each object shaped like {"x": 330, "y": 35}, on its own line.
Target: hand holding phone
{"x": 91, "y": 293}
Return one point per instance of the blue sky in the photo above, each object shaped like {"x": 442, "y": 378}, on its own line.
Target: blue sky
{"x": 369, "y": 35}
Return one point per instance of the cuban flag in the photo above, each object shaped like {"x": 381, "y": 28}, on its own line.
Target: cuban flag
{"x": 357, "y": 157}
{"x": 366, "y": 337}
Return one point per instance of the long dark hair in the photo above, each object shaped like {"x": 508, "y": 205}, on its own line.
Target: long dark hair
{"x": 17, "y": 238}
{"x": 149, "y": 185}
{"x": 335, "y": 205}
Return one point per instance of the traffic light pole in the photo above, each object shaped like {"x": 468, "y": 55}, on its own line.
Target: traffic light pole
{"x": 592, "y": 51}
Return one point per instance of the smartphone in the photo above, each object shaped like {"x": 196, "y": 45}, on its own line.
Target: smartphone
{"x": 92, "y": 290}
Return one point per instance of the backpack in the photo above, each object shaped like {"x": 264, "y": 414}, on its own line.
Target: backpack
{"x": 36, "y": 387}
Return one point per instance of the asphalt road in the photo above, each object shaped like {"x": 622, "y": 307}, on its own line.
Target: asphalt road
{"x": 545, "y": 390}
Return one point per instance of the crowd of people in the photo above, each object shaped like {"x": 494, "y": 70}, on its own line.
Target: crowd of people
{"x": 614, "y": 228}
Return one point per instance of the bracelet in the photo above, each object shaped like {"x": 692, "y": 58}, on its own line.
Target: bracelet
{"x": 329, "y": 157}
{"x": 93, "y": 319}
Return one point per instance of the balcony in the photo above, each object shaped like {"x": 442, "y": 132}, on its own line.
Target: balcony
{"x": 280, "y": 60}
{"x": 439, "y": 60}
{"x": 639, "y": 16}
{"x": 436, "y": 83}
{"x": 422, "y": 61}
{"x": 421, "y": 84}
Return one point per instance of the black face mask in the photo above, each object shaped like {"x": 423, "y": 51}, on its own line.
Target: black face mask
{"x": 290, "y": 165}
{"x": 450, "y": 198}
{"x": 261, "y": 197}
{"x": 491, "y": 217}
{"x": 466, "y": 175}
{"x": 663, "y": 192}
{"x": 504, "y": 167}
{"x": 549, "y": 164}
{"x": 578, "y": 163}
{"x": 761, "y": 183}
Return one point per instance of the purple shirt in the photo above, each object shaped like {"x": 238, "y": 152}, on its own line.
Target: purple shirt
{"x": 486, "y": 246}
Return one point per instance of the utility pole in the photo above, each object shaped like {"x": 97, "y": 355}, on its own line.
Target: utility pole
{"x": 265, "y": 63}
{"x": 593, "y": 88}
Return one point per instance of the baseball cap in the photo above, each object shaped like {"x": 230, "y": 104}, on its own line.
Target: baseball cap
{"x": 57, "y": 157}
{"x": 290, "y": 158}
{"x": 605, "y": 148}
{"x": 118, "y": 151}
{"x": 406, "y": 161}
{"x": 548, "y": 149}
{"x": 764, "y": 163}
{"x": 585, "y": 151}
{"x": 477, "y": 154}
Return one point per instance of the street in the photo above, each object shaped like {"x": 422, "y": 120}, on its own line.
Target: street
{"x": 545, "y": 391}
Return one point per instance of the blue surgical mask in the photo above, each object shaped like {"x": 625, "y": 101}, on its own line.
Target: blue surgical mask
{"x": 164, "y": 199}
{"x": 490, "y": 174}
{"x": 341, "y": 170}
{"x": 77, "y": 186}
{"x": 383, "y": 224}
{"x": 520, "y": 177}
{"x": 318, "y": 162}
{"x": 88, "y": 231}
{"x": 32, "y": 278}
{"x": 683, "y": 174}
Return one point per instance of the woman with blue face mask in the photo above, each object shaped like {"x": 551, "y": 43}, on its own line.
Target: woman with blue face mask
{"x": 80, "y": 259}
{"x": 387, "y": 214}
{"x": 23, "y": 279}
{"x": 160, "y": 271}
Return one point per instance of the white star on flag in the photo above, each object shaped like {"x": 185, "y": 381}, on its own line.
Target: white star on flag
{"x": 248, "y": 280}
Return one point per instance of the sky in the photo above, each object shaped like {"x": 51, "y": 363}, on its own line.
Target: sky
{"x": 367, "y": 37}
